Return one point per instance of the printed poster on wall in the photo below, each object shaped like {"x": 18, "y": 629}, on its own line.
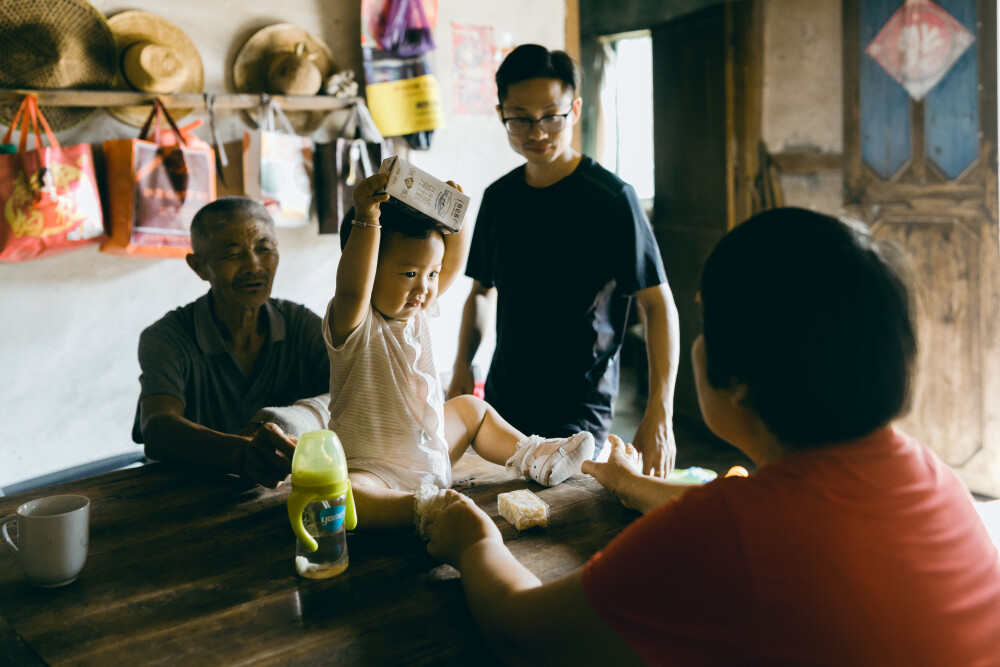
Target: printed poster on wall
{"x": 918, "y": 45}
{"x": 472, "y": 63}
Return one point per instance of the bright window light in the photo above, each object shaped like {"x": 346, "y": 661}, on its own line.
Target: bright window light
{"x": 627, "y": 106}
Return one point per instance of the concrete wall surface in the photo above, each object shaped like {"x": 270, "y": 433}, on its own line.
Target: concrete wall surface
{"x": 71, "y": 323}
{"x": 803, "y": 89}
{"x": 803, "y": 94}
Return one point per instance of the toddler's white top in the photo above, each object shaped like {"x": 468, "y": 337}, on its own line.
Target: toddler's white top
{"x": 386, "y": 401}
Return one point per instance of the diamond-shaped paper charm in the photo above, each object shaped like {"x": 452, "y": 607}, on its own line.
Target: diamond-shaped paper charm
{"x": 918, "y": 45}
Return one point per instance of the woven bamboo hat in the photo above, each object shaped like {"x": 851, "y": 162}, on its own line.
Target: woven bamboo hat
{"x": 50, "y": 44}
{"x": 153, "y": 56}
{"x": 284, "y": 59}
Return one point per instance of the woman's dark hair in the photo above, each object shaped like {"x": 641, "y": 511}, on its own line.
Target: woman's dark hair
{"x": 394, "y": 217}
{"x": 816, "y": 318}
{"x": 532, "y": 61}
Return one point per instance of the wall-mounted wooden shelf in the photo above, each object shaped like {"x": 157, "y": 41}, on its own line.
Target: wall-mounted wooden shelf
{"x": 111, "y": 98}
{"x": 808, "y": 163}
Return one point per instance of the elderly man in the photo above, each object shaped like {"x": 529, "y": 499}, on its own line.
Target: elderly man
{"x": 210, "y": 369}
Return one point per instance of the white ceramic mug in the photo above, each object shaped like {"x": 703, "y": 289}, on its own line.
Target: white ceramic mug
{"x": 52, "y": 538}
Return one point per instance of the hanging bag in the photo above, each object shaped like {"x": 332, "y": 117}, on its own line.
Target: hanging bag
{"x": 342, "y": 164}
{"x": 48, "y": 194}
{"x": 401, "y": 90}
{"x": 407, "y": 32}
{"x": 278, "y": 166}
{"x": 155, "y": 187}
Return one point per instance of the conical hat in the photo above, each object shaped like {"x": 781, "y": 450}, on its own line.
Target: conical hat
{"x": 54, "y": 44}
{"x": 153, "y": 56}
{"x": 283, "y": 59}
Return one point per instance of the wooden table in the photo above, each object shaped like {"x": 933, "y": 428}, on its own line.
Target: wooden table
{"x": 198, "y": 569}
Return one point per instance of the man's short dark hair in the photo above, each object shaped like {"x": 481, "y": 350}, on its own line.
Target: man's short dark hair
{"x": 532, "y": 61}
{"x": 816, "y": 318}
{"x": 394, "y": 217}
{"x": 221, "y": 212}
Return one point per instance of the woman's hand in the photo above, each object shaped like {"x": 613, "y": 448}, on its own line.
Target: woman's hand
{"x": 456, "y": 526}
{"x": 620, "y": 471}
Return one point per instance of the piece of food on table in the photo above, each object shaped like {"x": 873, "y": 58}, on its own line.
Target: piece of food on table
{"x": 523, "y": 509}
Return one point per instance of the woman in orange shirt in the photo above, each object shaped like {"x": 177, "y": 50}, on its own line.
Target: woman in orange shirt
{"x": 851, "y": 543}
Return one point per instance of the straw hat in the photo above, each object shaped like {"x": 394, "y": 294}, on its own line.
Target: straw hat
{"x": 154, "y": 56}
{"x": 284, "y": 59}
{"x": 49, "y": 44}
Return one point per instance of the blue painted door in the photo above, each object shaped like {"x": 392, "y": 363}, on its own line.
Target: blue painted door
{"x": 920, "y": 149}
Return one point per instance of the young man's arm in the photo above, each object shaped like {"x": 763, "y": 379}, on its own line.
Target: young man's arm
{"x": 476, "y": 318}
{"x": 264, "y": 459}
{"x": 359, "y": 261}
{"x": 523, "y": 620}
{"x": 456, "y": 251}
{"x": 655, "y": 436}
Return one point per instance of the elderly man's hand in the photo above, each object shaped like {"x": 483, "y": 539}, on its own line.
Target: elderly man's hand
{"x": 267, "y": 457}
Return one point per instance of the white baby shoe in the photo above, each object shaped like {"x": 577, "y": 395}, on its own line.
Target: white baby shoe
{"x": 554, "y": 467}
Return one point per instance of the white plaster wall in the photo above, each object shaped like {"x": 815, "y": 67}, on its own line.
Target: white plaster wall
{"x": 823, "y": 192}
{"x": 69, "y": 325}
{"x": 802, "y": 101}
{"x": 472, "y": 150}
{"x": 803, "y": 94}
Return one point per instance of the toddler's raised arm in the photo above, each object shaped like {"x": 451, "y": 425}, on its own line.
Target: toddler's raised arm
{"x": 358, "y": 262}
{"x": 456, "y": 251}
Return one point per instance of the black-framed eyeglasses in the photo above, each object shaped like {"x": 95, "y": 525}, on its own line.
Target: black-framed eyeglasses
{"x": 550, "y": 124}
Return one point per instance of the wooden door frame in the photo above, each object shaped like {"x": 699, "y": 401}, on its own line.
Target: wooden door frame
{"x": 744, "y": 100}
{"x": 744, "y": 106}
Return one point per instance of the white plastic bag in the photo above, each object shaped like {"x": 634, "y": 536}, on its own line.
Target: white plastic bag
{"x": 278, "y": 167}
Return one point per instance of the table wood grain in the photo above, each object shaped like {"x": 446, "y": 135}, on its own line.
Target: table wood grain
{"x": 190, "y": 568}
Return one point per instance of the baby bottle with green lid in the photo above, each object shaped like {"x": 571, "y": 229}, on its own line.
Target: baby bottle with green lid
{"x": 320, "y": 505}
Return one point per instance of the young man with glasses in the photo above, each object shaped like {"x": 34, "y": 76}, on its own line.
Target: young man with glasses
{"x": 561, "y": 245}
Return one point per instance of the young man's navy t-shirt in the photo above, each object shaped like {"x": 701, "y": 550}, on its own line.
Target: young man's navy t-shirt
{"x": 566, "y": 260}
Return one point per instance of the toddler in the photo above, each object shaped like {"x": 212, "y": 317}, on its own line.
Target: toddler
{"x": 386, "y": 402}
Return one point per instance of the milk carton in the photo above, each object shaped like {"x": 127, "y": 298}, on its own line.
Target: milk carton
{"x": 417, "y": 193}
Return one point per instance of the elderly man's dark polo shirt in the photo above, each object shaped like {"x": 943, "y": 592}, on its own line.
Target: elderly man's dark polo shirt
{"x": 184, "y": 355}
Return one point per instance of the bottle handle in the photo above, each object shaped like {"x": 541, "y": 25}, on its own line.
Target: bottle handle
{"x": 297, "y": 501}
{"x": 351, "y": 514}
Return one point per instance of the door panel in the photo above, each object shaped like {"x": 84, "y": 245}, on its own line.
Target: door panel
{"x": 951, "y": 121}
{"x": 923, "y": 173}
{"x": 945, "y": 258}
{"x": 690, "y": 209}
